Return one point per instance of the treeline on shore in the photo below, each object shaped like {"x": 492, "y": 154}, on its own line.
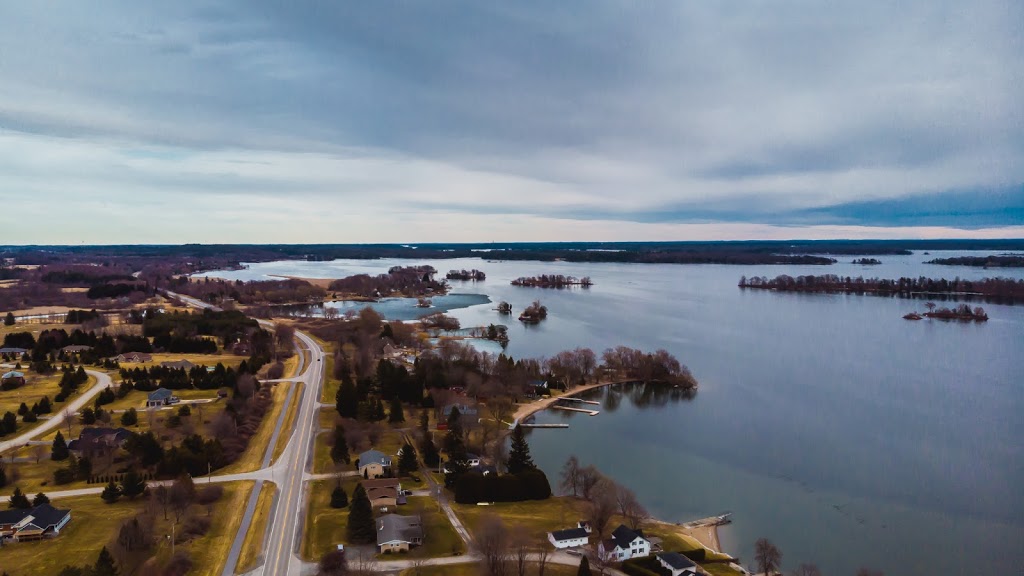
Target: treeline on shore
{"x": 1003, "y": 290}
{"x": 552, "y": 281}
{"x": 1003, "y": 261}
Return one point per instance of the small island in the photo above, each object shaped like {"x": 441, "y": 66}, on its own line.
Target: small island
{"x": 963, "y": 312}
{"x": 1002, "y": 290}
{"x": 552, "y": 281}
{"x": 534, "y": 313}
{"x": 424, "y": 303}
{"x": 1000, "y": 261}
{"x": 504, "y": 308}
{"x": 867, "y": 261}
{"x": 474, "y": 274}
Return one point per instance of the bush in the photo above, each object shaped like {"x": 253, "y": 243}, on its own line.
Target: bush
{"x": 197, "y": 525}
{"x": 641, "y": 567}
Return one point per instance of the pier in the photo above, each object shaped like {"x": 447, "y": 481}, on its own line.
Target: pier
{"x": 579, "y": 400}
{"x": 719, "y": 520}
{"x": 559, "y": 425}
{"x": 571, "y": 409}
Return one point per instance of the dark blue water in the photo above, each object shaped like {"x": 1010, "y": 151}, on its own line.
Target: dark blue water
{"x": 847, "y": 435}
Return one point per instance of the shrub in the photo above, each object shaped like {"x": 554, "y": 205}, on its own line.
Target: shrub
{"x": 197, "y": 525}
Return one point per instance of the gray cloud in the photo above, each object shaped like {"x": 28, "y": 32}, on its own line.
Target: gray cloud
{"x": 784, "y": 113}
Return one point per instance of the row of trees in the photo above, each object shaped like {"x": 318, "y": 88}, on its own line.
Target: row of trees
{"x": 464, "y": 274}
{"x": 552, "y": 281}
{"x": 995, "y": 289}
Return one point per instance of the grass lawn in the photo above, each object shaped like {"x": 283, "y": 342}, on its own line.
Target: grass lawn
{"x": 35, "y": 478}
{"x": 252, "y": 547}
{"x": 473, "y": 569}
{"x": 35, "y": 388}
{"x": 137, "y": 399}
{"x": 331, "y": 384}
{"x": 95, "y": 524}
{"x": 289, "y": 421}
{"x": 228, "y": 360}
{"x": 327, "y": 418}
{"x": 322, "y": 463}
{"x": 325, "y": 526}
{"x": 720, "y": 570}
{"x": 674, "y": 540}
{"x": 537, "y": 516}
{"x": 439, "y": 540}
{"x": 253, "y": 456}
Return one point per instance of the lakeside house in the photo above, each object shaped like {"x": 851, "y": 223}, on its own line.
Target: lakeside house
{"x": 569, "y": 538}
{"x": 374, "y": 464}
{"x": 624, "y": 544}
{"x": 161, "y": 397}
{"x": 43, "y": 521}
{"x": 396, "y": 533}
{"x": 12, "y": 379}
{"x": 677, "y": 564}
{"x": 137, "y": 357}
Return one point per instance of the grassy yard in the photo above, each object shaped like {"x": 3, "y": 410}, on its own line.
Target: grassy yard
{"x": 253, "y": 456}
{"x": 137, "y": 399}
{"x": 439, "y": 539}
{"x": 473, "y": 569}
{"x": 537, "y": 516}
{"x": 34, "y": 478}
{"x": 325, "y": 526}
{"x": 289, "y": 421}
{"x": 228, "y": 360}
{"x": 36, "y": 386}
{"x": 327, "y": 418}
{"x": 95, "y": 524}
{"x": 252, "y": 547}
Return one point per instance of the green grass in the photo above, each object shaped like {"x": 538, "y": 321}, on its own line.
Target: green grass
{"x": 34, "y": 478}
{"x": 325, "y": 526}
{"x": 536, "y": 516}
{"x": 252, "y": 547}
{"x": 439, "y": 539}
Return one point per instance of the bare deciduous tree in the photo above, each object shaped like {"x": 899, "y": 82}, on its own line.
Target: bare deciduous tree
{"x": 767, "y": 556}
{"x": 629, "y": 507}
{"x": 493, "y": 541}
{"x": 520, "y": 549}
{"x": 588, "y": 477}
{"x": 542, "y": 552}
{"x": 603, "y": 504}
{"x": 806, "y": 570}
{"x": 571, "y": 475}
{"x": 38, "y": 451}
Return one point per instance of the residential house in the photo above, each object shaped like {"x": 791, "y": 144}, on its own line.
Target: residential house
{"x": 397, "y": 533}
{"x": 464, "y": 410}
{"x": 161, "y": 397}
{"x": 10, "y": 351}
{"x": 570, "y": 538}
{"x": 75, "y": 349}
{"x": 585, "y": 524}
{"x": 137, "y": 357}
{"x": 624, "y": 544}
{"x": 384, "y": 492}
{"x": 12, "y": 379}
{"x": 94, "y": 440}
{"x": 374, "y": 464}
{"x": 677, "y": 564}
{"x": 178, "y": 365}
{"x": 43, "y": 521}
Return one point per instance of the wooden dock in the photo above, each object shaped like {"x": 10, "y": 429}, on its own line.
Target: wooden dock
{"x": 560, "y": 425}
{"x": 719, "y": 520}
{"x": 579, "y": 401}
{"x": 571, "y": 409}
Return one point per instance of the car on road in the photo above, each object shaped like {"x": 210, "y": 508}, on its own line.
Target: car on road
{"x": 406, "y": 492}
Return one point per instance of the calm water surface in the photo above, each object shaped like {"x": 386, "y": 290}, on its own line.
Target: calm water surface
{"x": 847, "y": 435}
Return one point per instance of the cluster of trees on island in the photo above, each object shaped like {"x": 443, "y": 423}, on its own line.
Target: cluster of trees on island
{"x": 961, "y": 312}
{"x": 534, "y": 313}
{"x": 464, "y": 274}
{"x": 994, "y": 261}
{"x": 1006, "y": 290}
{"x": 552, "y": 281}
{"x": 867, "y": 261}
{"x": 409, "y": 281}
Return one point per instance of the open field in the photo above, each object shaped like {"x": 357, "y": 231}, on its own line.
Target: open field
{"x": 252, "y": 547}
{"x": 32, "y": 392}
{"x": 228, "y": 360}
{"x": 78, "y": 542}
{"x": 325, "y": 526}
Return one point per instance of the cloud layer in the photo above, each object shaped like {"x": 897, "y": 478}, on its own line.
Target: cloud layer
{"x": 465, "y": 121}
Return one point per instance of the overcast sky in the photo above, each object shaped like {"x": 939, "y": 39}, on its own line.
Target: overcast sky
{"x": 269, "y": 121}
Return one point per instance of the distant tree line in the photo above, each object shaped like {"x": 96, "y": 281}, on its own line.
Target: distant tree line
{"x": 253, "y": 292}
{"x": 1006, "y": 290}
{"x": 552, "y": 281}
{"x": 410, "y": 281}
{"x": 1003, "y": 261}
{"x": 464, "y": 274}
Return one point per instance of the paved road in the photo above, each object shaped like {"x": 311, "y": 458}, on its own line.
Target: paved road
{"x": 102, "y": 381}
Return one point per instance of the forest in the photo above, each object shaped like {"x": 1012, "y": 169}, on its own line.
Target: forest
{"x": 1000, "y": 290}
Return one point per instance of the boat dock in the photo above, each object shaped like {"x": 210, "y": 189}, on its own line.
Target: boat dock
{"x": 579, "y": 401}
{"x": 571, "y": 409}
{"x": 719, "y": 520}
{"x": 559, "y": 425}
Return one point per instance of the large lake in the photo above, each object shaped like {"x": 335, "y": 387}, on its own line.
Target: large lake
{"x": 827, "y": 423}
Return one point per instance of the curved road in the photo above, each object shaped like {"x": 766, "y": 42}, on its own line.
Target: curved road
{"x": 102, "y": 381}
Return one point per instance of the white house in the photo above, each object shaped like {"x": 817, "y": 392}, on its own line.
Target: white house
{"x": 570, "y": 538}
{"x": 677, "y": 564}
{"x": 623, "y": 545}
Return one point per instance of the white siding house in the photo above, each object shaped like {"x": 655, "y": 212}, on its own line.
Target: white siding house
{"x": 570, "y": 538}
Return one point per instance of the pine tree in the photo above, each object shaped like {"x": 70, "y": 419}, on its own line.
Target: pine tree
{"x": 361, "y": 527}
{"x": 347, "y": 399}
{"x": 23, "y": 409}
{"x": 132, "y": 485}
{"x": 40, "y": 499}
{"x": 339, "y": 451}
{"x": 130, "y": 417}
{"x": 3, "y": 476}
{"x": 111, "y": 493}
{"x": 19, "y": 500}
{"x": 395, "y": 412}
{"x": 424, "y": 421}
{"x": 519, "y": 458}
{"x": 9, "y": 319}
{"x": 431, "y": 457}
{"x": 378, "y": 410}
{"x": 453, "y": 441}
{"x": 105, "y": 565}
{"x": 59, "y": 450}
{"x": 584, "y": 569}
{"x": 407, "y": 461}
{"x": 338, "y": 497}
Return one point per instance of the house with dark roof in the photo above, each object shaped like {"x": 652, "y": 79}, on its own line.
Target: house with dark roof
{"x": 624, "y": 544}
{"x": 75, "y": 349}
{"x": 677, "y": 564}
{"x": 11, "y": 351}
{"x": 178, "y": 365}
{"x": 374, "y": 464}
{"x": 134, "y": 357}
{"x": 99, "y": 440}
{"x": 161, "y": 397}
{"x": 570, "y": 538}
{"x": 397, "y": 533}
{"x": 43, "y": 521}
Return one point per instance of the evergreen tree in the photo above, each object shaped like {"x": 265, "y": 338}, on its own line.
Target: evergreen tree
{"x": 424, "y": 421}
{"x": 130, "y": 417}
{"x": 9, "y": 319}
{"x": 132, "y": 485}
{"x": 105, "y": 565}
{"x": 40, "y": 499}
{"x": 395, "y": 412}
{"x": 59, "y": 450}
{"x": 10, "y": 423}
{"x": 111, "y": 493}
{"x": 19, "y": 500}
{"x": 84, "y": 468}
{"x": 584, "y": 569}
{"x": 519, "y": 458}
{"x": 339, "y": 451}
{"x": 453, "y": 441}
{"x": 378, "y": 410}
{"x": 407, "y": 461}
{"x": 338, "y": 497}
{"x": 88, "y": 416}
{"x": 29, "y": 417}
{"x": 3, "y": 476}
{"x": 347, "y": 399}
{"x": 361, "y": 527}
{"x": 431, "y": 457}
{"x": 44, "y": 406}
{"x": 23, "y": 409}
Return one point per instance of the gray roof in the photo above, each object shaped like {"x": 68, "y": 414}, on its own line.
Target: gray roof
{"x": 13, "y": 374}
{"x": 396, "y": 528}
{"x": 43, "y": 516}
{"x": 8, "y": 350}
{"x": 623, "y": 536}
{"x": 160, "y": 394}
{"x": 372, "y": 455}
{"x": 677, "y": 561}
{"x": 569, "y": 534}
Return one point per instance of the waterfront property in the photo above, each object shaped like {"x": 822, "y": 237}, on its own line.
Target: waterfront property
{"x": 43, "y": 521}
{"x": 677, "y": 564}
{"x": 374, "y": 464}
{"x": 624, "y": 544}
{"x": 397, "y": 533}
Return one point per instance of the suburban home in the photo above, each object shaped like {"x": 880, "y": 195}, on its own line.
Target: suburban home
{"x": 134, "y": 357}
{"x": 384, "y": 492}
{"x": 570, "y": 538}
{"x": 97, "y": 440}
{"x": 585, "y": 524}
{"x": 9, "y": 351}
{"x": 397, "y": 533}
{"x": 374, "y": 464}
{"x": 75, "y": 349}
{"x": 464, "y": 410}
{"x": 12, "y": 379}
{"x": 677, "y": 564}
{"x": 43, "y": 521}
{"x": 178, "y": 365}
{"x": 624, "y": 544}
{"x": 161, "y": 397}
